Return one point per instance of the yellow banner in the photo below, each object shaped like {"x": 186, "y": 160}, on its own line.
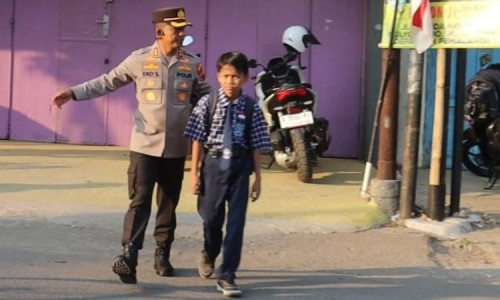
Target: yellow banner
{"x": 457, "y": 24}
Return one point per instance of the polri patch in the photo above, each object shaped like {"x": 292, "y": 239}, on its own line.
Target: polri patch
{"x": 184, "y": 75}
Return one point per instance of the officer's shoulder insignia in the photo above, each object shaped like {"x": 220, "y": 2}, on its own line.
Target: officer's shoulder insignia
{"x": 183, "y": 55}
{"x": 189, "y": 54}
{"x": 143, "y": 50}
{"x": 156, "y": 52}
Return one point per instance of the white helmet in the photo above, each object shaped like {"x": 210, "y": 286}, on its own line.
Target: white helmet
{"x": 298, "y": 38}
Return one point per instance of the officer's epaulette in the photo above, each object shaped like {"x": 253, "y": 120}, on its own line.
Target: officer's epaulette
{"x": 144, "y": 50}
{"x": 183, "y": 52}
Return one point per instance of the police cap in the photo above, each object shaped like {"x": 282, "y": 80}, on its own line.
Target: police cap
{"x": 175, "y": 16}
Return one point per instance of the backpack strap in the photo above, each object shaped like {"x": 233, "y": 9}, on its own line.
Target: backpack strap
{"x": 212, "y": 103}
{"x": 249, "y": 109}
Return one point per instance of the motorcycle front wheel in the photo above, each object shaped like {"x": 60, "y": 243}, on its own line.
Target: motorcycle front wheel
{"x": 473, "y": 159}
{"x": 301, "y": 144}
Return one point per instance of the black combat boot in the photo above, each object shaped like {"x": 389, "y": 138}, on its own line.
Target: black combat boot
{"x": 125, "y": 265}
{"x": 162, "y": 263}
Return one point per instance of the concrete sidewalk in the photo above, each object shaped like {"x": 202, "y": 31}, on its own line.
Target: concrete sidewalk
{"x": 34, "y": 170}
{"x": 59, "y": 180}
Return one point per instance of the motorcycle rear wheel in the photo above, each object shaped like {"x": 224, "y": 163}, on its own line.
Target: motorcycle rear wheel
{"x": 304, "y": 164}
{"x": 473, "y": 159}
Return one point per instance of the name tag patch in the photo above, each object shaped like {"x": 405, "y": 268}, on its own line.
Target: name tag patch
{"x": 150, "y": 74}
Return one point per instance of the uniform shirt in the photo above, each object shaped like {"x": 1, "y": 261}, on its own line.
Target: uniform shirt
{"x": 211, "y": 137}
{"x": 164, "y": 89}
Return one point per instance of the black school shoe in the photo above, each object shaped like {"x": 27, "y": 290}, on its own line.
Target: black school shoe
{"x": 228, "y": 288}
{"x": 125, "y": 265}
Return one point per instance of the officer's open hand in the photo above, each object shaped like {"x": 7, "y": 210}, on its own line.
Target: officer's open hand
{"x": 61, "y": 98}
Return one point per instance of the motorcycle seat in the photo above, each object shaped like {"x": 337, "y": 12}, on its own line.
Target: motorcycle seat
{"x": 289, "y": 86}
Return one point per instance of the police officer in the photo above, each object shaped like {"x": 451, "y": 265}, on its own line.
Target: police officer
{"x": 166, "y": 77}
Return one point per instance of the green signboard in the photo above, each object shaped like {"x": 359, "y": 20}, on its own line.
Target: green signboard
{"x": 456, "y": 23}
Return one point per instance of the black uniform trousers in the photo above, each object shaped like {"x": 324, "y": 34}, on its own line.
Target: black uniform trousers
{"x": 144, "y": 172}
{"x": 219, "y": 187}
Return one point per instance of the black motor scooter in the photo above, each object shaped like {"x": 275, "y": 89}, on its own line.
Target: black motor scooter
{"x": 481, "y": 141}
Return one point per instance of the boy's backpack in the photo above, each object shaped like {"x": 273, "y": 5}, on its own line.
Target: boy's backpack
{"x": 249, "y": 108}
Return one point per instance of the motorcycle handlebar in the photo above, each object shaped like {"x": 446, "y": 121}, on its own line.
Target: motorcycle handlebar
{"x": 277, "y": 66}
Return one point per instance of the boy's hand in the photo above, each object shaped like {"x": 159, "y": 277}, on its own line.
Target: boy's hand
{"x": 255, "y": 193}
{"x": 195, "y": 182}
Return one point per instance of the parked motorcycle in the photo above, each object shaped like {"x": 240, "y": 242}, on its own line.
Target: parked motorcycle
{"x": 481, "y": 142}
{"x": 472, "y": 156}
{"x": 298, "y": 137}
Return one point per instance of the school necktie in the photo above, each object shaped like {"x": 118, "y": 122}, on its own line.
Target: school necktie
{"x": 227, "y": 142}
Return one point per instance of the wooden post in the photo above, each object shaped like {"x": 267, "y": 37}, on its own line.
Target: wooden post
{"x": 437, "y": 187}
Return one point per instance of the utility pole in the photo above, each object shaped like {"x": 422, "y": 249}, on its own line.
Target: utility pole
{"x": 456, "y": 175}
{"x": 410, "y": 154}
{"x": 385, "y": 188}
{"x": 389, "y": 117}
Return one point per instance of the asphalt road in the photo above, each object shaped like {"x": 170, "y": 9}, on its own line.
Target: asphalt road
{"x": 61, "y": 213}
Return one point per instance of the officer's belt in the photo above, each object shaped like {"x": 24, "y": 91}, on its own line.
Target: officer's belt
{"x": 235, "y": 153}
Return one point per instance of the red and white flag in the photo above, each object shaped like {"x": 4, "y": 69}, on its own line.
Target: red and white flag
{"x": 422, "y": 32}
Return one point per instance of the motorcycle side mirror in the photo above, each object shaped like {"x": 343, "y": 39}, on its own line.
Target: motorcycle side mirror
{"x": 252, "y": 63}
{"x": 484, "y": 59}
{"x": 188, "y": 40}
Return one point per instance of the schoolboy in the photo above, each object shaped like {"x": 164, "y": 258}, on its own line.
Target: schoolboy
{"x": 226, "y": 166}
